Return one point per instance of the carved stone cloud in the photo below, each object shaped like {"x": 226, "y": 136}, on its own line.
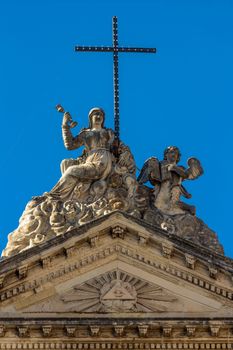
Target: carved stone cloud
{"x": 102, "y": 180}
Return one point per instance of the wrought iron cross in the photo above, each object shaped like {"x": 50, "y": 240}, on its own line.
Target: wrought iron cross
{"x": 115, "y": 49}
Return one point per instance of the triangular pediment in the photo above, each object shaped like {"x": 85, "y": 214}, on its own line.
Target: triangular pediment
{"x": 116, "y": 267}
{"x": 117, "y": 291}
{"x": 118, "y": 288}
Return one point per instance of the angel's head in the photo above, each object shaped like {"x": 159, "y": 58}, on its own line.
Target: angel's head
{"x": 172, "y": 154}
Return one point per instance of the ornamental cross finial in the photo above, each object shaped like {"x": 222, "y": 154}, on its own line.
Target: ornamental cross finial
{"x": 115, "y": 49}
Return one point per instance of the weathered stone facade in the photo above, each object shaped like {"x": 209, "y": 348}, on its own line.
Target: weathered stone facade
{"x": 104, "y": 261}
{"x": 103, "y": 180}
{"x": 116, "y": 283}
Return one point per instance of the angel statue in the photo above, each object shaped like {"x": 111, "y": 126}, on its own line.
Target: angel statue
{"x": 167, "y": 177}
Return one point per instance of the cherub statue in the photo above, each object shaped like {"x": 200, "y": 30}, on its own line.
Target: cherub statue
{"x": 167, "y": 177}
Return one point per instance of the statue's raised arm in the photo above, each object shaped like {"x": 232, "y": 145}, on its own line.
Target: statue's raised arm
{"x": 70, "y": 141}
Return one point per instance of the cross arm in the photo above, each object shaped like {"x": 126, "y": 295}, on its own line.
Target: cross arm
{"x": 94, "y": 48}
{"x": 112, "y": 49}
{"x": 136, "y": 49}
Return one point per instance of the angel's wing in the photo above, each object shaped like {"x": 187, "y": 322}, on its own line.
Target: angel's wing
{"x": 150, "y": 171}
{"x": 195, "y": 169}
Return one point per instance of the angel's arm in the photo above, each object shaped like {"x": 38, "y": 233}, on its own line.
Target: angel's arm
{"x": 179, "y": 170}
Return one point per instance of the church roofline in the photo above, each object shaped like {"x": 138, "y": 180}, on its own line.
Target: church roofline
{"x": 189, "y": 247}
{"x": 106, "y": 319}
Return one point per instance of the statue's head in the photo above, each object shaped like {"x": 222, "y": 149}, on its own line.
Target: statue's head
{"x": 96, "y": 117}
{"x": 172, "y": 154}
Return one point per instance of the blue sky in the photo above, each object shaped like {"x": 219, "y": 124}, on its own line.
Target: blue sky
{"x": 180, "y": 96}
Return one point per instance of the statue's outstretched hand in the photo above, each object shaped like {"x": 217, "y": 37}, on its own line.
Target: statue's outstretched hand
{"x": 66, "y": 119}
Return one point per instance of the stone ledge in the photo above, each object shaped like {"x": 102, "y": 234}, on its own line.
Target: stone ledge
{"x": 206, "y": 254}
{"x": 127, "y": 344}
{"x": 123, "y": 250}
{"x": 99, "y": 330}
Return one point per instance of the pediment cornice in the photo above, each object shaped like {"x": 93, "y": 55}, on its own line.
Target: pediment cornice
{"x": 72, "y": 333}
{"x": 116, "y": 237}
{"x": 152, "y": 232}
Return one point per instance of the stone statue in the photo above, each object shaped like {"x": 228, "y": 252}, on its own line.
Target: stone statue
{"x": 103, "y": 179}
{"x": 162, "y": 204}
{"x": 96, "y": 162}
{"x": 167, "y": 177}
{"x": 89, "y": 174}
{"x": 94, "y": 184}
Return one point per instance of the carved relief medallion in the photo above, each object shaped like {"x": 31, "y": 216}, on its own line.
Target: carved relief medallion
{"x": 117, "y": 291}
{"x": 118, "y": 296}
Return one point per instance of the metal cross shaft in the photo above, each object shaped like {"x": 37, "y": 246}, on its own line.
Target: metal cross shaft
{"x": 115, "y": 49}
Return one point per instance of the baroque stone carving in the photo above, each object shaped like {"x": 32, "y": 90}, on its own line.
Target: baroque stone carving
{"x": 69, "y": 251}
{"x": 215, "y": 328}
{"x": 119, "y": 330}
{"x": 164, "y": 207}
{"x": 94, "y": 184}
{"x": 186, "y": 226}
{"x": 2, "y": 330}
{"x": 37, "y": 283}
{"x": 142, "y": 330}
{"x": 213, "y": 272}
{"x": 46, "y": 262}
{"x": 70, "y": 331}
{"x": 2, "y": 278}
{"x": 23, "y": 331}
{"x": 166, "y": 250}
{"x": 94, "y": 241}
{"x": 166, "y": 177}
{"x": 117, "y": 291}
{"x": 47, "y": 330}
{"x": 190, "y": 329}
{"x": 22, "y": 271}
{"x": 143, "y": 238}
{"x": 190, "y": 261}
{"x": 167, "y": 330}
{"x": 103, "y": 179}
{"x": 118, "y": 231}
{"x": 88, "y": 345}
{"x": 95, "y": 330}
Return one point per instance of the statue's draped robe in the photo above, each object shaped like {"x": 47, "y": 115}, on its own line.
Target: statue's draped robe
{"x": 97, "y": 164}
